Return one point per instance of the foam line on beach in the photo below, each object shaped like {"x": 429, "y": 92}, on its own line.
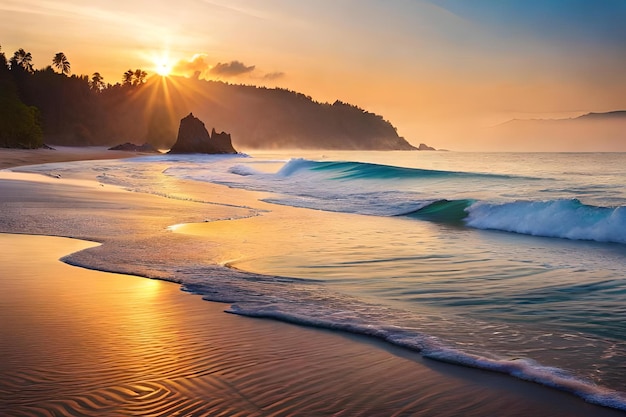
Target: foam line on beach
{"x": 433, "y": 348}
{"x": 90, "y": 343}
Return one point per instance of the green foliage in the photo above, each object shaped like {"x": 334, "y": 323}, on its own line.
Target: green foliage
{"x": 19, "y": 123}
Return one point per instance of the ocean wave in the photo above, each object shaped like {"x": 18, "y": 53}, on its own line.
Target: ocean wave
{"x": 568, "y": 219}
{"x": 243, "y": 170}
{"x": 444, "y": 211}
{"x": 348, "y": 170}
{"x": 430, "y": 195}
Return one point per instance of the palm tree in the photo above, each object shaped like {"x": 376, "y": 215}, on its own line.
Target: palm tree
{"x": 134, "y": 78}
{"x": 140, "y": 77}
{"x": 97, "y": 82}
{"x": 128, "y": 77}
{"x": 61, "y": 63}
{"x": 23, "y": 59}
{"x": 3, "y": 60}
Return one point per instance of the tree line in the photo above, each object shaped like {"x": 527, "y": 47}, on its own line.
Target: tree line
{"x": 53, "y": 104}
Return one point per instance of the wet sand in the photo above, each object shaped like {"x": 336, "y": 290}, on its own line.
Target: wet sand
{"x": 16, "y": 157}
{"x": 83, "y": 342}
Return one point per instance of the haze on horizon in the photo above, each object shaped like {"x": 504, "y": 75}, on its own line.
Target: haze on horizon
{"x": 439, "y": 70}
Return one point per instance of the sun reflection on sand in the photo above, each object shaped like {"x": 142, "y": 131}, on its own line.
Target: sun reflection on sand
{"x": 114, "y": 313}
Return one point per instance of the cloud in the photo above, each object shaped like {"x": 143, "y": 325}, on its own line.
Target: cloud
{"x": 231, "y": 69}
{"x": 273, "y": 75}
{"x": 197, "y": 64}
{"x": 200, "y": 66}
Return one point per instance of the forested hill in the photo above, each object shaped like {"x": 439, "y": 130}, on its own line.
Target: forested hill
{"x": 259, "y": 117}
{"x": 82, "y": 111}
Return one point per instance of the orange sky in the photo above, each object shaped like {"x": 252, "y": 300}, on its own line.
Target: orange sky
{"x": 438, "y": 70}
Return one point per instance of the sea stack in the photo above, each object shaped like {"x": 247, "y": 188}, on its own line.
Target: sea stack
{"x": 193, "y": 137}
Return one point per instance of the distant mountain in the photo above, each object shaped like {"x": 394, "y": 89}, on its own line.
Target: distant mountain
{"x": 603, "y": 116}
{"x": 612, "y": 115}
{"x": 591, "y": 132}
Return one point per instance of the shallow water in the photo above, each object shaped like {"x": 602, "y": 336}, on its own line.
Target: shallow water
{"x": 86, "y": 343}
{"x": 474, "y": 285}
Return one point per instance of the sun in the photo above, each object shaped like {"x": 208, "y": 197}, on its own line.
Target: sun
{"x": 162, "y": 65}
{"x": 163, "y": 69}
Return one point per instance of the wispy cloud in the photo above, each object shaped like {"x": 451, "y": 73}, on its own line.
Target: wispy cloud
{"x": 70, "y": 9}
{"x": 227, "y": 6}
{"x": 231, "y": 69}
{"x": 105, "y": 23}
{"x": 274, "y": 75}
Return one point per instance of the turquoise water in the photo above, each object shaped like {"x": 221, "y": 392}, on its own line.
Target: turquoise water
{"x": 509, "y": 262}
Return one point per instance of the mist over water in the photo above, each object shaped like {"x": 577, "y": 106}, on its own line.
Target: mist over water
{"x": 509, "y": 262}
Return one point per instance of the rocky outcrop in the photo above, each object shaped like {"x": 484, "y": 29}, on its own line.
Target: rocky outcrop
{"x": 424, "y": 147}
{"x": 131, "y": 147}
{"x": 194, "y": 138}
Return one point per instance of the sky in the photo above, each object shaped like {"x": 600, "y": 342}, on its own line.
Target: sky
{"x": 439, "y": 70}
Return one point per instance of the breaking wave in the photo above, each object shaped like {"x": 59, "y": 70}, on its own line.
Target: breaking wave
{"x": 429, "y": 195}
{"x": 569, "y": 219}
{"x": 362, "y": 170}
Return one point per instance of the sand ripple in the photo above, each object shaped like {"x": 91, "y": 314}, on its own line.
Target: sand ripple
{"x": 75, "y": 342}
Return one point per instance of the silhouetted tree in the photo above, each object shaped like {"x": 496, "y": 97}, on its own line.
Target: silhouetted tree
{"x": 140, "y": 77}
{"x": 61, "y": 63}
{"x": 22, "y": 59}
{"x": 97, "y": 82}
{"x": 4, "y": 65}
{"x": 127, "y": 78}
{"x": 134, "y": 78}
{"x": 19, "y": 123}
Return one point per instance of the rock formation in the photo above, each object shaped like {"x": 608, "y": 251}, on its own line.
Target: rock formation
{"x": 424, "y": 147}
{"x": 194, "y": 138}
{"x": 131, "y": 147}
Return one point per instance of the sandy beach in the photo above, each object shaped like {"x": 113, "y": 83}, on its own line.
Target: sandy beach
{"x": 16, "y": 157}
{"x": 88, "y": 342}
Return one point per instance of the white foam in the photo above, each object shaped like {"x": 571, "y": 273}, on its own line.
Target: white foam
{"x": 433, "y": 348}
{"x": 568, "y": 219}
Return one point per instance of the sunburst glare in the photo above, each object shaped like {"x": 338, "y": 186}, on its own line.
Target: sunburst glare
{"x": 162, "y": 64}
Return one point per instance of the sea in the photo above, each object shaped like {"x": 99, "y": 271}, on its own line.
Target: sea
{"x": 508, "y": 262}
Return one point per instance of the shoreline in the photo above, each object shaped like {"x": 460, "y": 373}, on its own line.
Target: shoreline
{"x": 13, "y": 158}
{"x": 144, "y": 220}
{"x": 132, "y": 345}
